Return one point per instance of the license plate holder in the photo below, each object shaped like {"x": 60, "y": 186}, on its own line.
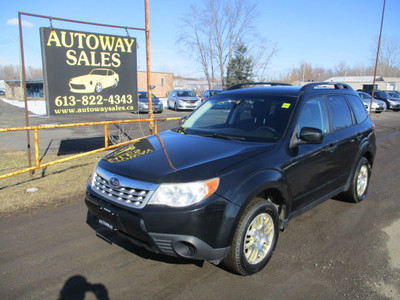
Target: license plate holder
{"x": 108, "y": 218}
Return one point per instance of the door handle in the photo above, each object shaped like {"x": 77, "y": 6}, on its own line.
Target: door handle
{"x": 331, "y": 148}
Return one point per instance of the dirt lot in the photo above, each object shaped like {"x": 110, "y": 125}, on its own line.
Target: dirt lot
{"x": 337, "y": 250}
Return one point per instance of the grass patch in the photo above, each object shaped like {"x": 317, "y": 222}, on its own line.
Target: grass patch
{"x": 55, "y": 184}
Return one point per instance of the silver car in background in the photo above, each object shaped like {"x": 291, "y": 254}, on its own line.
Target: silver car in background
{"x": 143, "y": 103}
{"x": 183, "y": 99}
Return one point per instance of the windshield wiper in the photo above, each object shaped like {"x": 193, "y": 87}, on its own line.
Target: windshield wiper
{"x": 222, "y": 136}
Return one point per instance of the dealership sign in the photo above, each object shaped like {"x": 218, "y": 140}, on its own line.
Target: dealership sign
{"x": 88, "y": 72}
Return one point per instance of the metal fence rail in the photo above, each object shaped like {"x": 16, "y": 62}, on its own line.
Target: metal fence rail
{"x": 36, "y": 129}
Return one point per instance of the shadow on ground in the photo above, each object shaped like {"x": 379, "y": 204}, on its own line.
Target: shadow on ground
{"x": 75, "y": 146}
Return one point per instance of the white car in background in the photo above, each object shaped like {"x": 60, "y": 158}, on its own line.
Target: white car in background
{"x": 378, "y": 106}
{"x": 94, "y": 82}
{"x": 183, "y": 99}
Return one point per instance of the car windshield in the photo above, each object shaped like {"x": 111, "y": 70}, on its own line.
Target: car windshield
{"x": 186, "y": 94}
{"x": 143, "y": 96}
{"x": 98, "y": 72}
{"x": 384, "y": 95}
{"x": 393, "y": 95}
{"x": 214, "y": 92}
{"x": 364, "y": 96}
{"x": 248, "y": 118}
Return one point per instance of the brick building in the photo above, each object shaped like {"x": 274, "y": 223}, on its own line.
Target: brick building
{"x": 163, "y": 82}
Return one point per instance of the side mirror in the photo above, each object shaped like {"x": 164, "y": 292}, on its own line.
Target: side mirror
{"x": 310, "y": 135}
{"x": 182, "y": 120}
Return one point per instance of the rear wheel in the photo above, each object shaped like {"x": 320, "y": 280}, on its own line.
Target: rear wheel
{"x": 360, "y": 181}
{"x": 255, "y": 238}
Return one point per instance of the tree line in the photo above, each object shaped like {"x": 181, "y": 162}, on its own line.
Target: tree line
{"x": 220, "y": 36}
{"x": 14, "y": 72}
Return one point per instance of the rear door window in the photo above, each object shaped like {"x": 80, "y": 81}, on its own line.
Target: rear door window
{"x": 339, "y": 112}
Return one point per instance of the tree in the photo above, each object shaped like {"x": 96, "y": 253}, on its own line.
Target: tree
{"x": 389, "y": 56}
{"x": 14, "y": 72}
{"x": 9, "y": 72}
{"x": 240, "y": 68}
{"x": 212, "y": 31}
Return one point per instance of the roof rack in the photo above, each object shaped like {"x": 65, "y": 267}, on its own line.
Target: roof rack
{"x": 239, "y": 85}
{"x": 325, "y": 85}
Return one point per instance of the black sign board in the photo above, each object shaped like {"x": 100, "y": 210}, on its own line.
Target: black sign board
{"x": 88, "y": 72}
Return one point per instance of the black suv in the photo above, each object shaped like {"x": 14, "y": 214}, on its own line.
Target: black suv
{"x": 221, "y": 185}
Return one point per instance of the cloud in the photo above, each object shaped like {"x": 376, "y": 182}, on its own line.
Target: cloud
{"x": 15, "y": 22}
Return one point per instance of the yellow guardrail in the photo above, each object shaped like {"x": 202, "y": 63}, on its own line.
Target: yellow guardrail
{"x": 36, "y": 129}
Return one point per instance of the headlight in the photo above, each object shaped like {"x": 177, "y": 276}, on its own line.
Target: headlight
{"x": 92, "y": 177}
{"x": 183, "y": 194}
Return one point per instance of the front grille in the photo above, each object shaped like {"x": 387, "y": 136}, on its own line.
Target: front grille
{"x": 128, "y": 192}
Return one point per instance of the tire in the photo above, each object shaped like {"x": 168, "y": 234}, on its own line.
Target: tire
{"x": 98, "y": 88}
{"x": 245, "y": 257}
{"x": 359, "y": 183}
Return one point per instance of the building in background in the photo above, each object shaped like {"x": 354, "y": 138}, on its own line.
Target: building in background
{"x": 365, "y": 82}
{"x": 163, "y": 83}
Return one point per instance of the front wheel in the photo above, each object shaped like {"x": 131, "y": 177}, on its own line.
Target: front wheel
{"x": 360, "y": 181}
{"x": 98, "y": 88}
{"x": 115, "y": 83}
{"x": 255, "y": 238}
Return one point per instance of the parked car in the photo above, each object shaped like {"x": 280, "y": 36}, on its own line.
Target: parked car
{"x": 94, "y": 82}
{"x": 208, "y": 93}
{"x": 391, "y": 103}
{"x": 394, "y": 94}
{"x": 220, "y": 186}
{"x": 378, "y": 106}
{"x": 2, "y": 92}
{"x": 183, "y": 99}
{"x": 143, "y": 103}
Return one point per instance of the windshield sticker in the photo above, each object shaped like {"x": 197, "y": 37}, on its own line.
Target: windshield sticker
{"x": 285, "y": 105}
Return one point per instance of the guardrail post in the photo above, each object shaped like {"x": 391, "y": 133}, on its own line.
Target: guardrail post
{"x": 106, "y": 136}
{"x": 36, "y": 141}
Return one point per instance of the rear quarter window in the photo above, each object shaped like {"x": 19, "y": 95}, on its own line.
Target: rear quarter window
{"x": 358, "y": 108}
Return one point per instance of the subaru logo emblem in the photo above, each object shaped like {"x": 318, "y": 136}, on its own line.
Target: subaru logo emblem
{"x": 114, "y": 182}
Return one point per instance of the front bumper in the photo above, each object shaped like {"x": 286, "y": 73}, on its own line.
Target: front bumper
{"x": 156, "y": 108}
{"x": 394, "y": 105}
{"x": 187, "y": 105}
{"x": 203, "y": 233}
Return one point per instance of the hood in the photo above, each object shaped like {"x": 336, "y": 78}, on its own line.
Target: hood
{"x": 175, "y": 157}
{"x": 188, "y": 98}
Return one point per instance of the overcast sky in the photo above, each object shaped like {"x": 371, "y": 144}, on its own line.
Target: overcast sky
{"x": 319, "y": 32}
